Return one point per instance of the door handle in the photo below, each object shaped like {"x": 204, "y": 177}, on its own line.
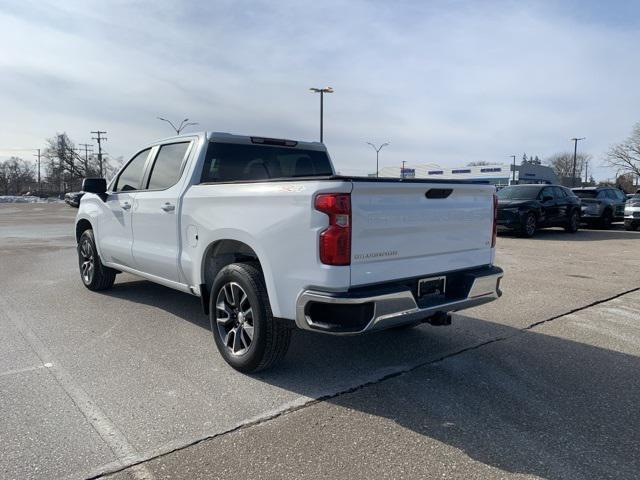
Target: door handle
{"x": 167, "y": 207}
{"x": 125, "y": 205}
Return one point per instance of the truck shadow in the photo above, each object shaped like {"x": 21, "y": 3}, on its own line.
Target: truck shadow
{"x": 531, "y": 404}
{"x": 521, "y": 401}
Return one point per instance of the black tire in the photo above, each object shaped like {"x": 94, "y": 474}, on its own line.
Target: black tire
{"x": 606, "y": 220}
{"x": 573, "y": 223}
{"x": 94, "y": 275}
{"x": 529, "y": 225}
{"x": 270, "y": 337}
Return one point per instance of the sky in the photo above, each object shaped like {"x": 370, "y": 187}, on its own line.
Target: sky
{"x": 444, "y": 82}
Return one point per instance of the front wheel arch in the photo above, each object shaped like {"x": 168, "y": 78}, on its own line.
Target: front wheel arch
{"x": 82, "y": 226}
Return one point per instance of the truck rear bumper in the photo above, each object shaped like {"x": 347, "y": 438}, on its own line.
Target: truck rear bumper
{"x": 393, "y": 304}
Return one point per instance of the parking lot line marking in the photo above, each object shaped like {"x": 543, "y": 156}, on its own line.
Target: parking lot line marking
{"x": 101, "y": 423}
{"x": 22, "y": 370}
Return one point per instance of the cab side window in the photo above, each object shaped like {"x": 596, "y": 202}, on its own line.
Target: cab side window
{"x": 619, "y": 195}
{"x": 546, "y": 192}
{"x": 559, "y": 193}
{"x": 167, "y": 168}
{"x": 131, "y": 177}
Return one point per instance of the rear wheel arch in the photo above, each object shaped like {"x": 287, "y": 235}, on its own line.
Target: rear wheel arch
{"x": 220, "y": 254}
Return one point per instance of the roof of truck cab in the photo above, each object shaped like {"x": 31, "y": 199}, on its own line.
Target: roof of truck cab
{"x": 224, "y": 137}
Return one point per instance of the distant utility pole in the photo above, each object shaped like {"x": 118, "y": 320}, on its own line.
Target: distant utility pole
{"x": 402, "y": 171}
{"x": 575, "y": 154}
{"x": 183, "y": 124}
{"x": 98, "y": 138}
{"x": 321, "y": 91}
{"x": 377, "y": 149}
{"x": 87, "y": 147}
{"x": 514, "y": 168}
{"x": 38, "y": 155}
{"x": 586, "y": 171}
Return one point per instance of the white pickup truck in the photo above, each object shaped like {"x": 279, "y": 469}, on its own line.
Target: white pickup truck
{"x": 270, "y": 238}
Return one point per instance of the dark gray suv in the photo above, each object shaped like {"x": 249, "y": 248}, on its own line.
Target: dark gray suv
{"x": 601, "y": 205}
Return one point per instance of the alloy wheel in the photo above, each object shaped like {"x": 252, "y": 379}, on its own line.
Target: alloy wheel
{"x": 575, "y": 221}
{"x": 87, "y": 261}
{"x": 530, "y": 226}
{"x": 234, "y": 318}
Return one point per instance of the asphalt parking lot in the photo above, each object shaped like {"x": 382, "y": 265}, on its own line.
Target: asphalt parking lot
{"x": 127, "y": 383}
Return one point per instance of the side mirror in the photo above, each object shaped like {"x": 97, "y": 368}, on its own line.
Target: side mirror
{"x": 94, "y": 185}
{"x": 547, "y": 198}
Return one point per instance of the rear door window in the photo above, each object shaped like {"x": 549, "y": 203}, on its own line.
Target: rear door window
{"x": 167, "y": 168}
{"x": 131, "y": 176}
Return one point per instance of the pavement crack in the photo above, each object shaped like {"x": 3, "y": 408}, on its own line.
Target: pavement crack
{"x": 405, "y": 371}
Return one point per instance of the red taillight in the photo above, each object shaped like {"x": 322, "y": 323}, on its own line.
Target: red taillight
{"x": 494, "y": 234}
{"x": 335, "y": 240}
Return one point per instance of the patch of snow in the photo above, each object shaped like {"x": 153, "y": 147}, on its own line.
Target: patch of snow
{"x": 26, "y": 199}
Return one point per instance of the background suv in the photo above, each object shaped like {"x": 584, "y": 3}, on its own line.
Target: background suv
{"x": 525, "y": 208}
{"x": 601, "y": 205}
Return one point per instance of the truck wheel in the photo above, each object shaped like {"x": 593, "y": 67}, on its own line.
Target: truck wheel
{"x": 95, "y": 276}
{"x": 606, "y": 220}
{"x": 245, "y": 332}
{"x": 574, "y": 222}
{"x": 528, "y": 228}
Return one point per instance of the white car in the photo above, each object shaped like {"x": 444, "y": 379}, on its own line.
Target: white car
{"x": 265, "y": 233}
{"x": 632, "y": 213}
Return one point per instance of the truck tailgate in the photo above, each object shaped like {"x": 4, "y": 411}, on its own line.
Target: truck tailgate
{"x": 414, "y": 229}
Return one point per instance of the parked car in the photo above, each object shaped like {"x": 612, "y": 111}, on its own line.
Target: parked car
{"x": 601, "y": 206}
{"x": 526, "y": 208}
{"x": 270, "y": 238}
{"x": 632, "y": 213}
{"x": 73, "y": 198}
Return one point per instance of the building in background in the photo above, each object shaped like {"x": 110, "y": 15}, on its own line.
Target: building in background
{"x": 499, "y": 174}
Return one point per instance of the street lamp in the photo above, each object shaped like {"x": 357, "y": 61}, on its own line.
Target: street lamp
{"x": 377, "y": 149}
{"x": 575, "y": 152}
{"x": 321, "y": 91}
{"x": 184, "y": 124}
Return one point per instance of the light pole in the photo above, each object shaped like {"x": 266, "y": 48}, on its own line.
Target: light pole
{"x": 513, "y": 181}
{"x": 377, "y": 149}
{"x": 183, "y": 124}
{"x": 321, "y": 91}
{"x": 575, "y": 152}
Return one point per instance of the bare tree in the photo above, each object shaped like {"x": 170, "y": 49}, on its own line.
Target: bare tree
{"x": 625, "y": 182}
{"x": 16, "y": 176}
{"x": 562, "y": 164}
{"x": 626, "y": 155}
